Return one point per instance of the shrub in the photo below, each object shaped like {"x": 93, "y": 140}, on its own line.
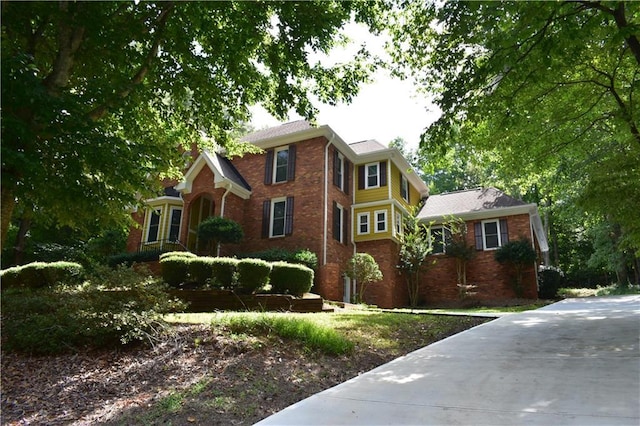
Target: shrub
{"x": 290, "y": 279}
{"x": 175, "y": 269}
{"x": 201, "y": 270}
{"x": 253, "y": 274}
{"x": 224, "y": 272}
{"x": 129, "y": 259}
{"x": 69, "y": 317}
{"x": 217, "y": 229}
{"x": 301, "y": 257}
{"x": 518, "y": 254}
{"x": 177, "y": 254}
{"x": 550, "y": 280}
{"x": 41, "y": 274}
{"x": 364, "y": 269}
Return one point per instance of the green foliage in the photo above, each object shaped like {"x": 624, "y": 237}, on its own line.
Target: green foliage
{"x": 219, "y": 230}
{"x": 200, "y": 269}
{"x": 129, "y": 259}
{"x": 109, "y": 310}
{"x": 364, "y": 269}
{"x": 314, "y": 336}
{"x": 41, "y": 274}
{"x": 290, "y": 279}
{"x": 301, "y": 256}
{"x": 177, "y": 254}
{"x": 87, "y": 124}
{"x": 550, "y": 280}
{"x": 224, "y": 272}
{"x": 414, "y": 250}
{"x": 175, "y": 270}
{"x": 253, "y": 275}
{"x": 518, "y": 254}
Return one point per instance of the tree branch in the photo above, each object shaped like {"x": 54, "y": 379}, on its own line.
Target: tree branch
{"x": 100, "y": 111}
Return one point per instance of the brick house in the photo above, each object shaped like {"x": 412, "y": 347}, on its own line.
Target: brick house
{"x": 308, "y": 189}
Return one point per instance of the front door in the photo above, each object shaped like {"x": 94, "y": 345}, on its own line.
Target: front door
{"x": 199, "y": 210}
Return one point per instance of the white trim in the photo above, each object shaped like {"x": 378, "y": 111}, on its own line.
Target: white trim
{"x": 366, "y": 175}
{"x": 366, "y": 215}
{"x": 398, "y": 228}
{"x": 484, "y": 214}
{"x": 484, "y": 235}
{"x": 272, "y": 217}
{"x": 443, "y": 230}
{"x": 404, "y": 183}
{"x": 375, "y": 221}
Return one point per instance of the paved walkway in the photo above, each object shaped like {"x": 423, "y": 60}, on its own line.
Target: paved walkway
{"x": 576, "y": 362}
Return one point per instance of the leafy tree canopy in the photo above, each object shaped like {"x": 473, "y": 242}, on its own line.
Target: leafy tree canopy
{"x": 545, "y": 92}
{"x": 97, "y": 97}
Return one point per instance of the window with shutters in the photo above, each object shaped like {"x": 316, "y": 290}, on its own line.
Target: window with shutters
{"x": 491, "y": 234}
{"x": 381, "y": 221}
{"x": 363, "y": 223}
{"x": 339, "y": 223}
{"x": 280, "y": 165}
{"x": 277, "y": 217}
{"x": 339, "y": 170}
{"x": 373, "y": 175}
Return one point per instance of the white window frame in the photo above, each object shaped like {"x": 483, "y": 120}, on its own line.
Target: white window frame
{"x": 399, "y": 227}
{"x": 443, "y": 236}
{"x": 340, "y": 170}
{"x": 375, "y": 215}
{"x": 363, "y": 219}
{"x": 366, "y": 175}
{"x": 404, "y": 188}
{"x": 272, "y": 217}
{"x": 275, "y": 165}
{"x": 159, "y": 213}
{"x": 172, "y": 210}
{"x": 484, "y": 234}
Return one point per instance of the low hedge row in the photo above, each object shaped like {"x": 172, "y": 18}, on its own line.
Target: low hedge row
{"x": 245, "y": 275}
{"x": 41, "y": 274}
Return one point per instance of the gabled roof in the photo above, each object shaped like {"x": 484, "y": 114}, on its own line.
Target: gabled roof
{"x": 278, "y": 131}
{"x": 478, "y": 200}
{"x": 225, "y": 175}
{"x": 367, "y": 147}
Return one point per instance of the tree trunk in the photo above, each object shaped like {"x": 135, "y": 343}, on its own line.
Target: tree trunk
{"x": 21, "y": 238}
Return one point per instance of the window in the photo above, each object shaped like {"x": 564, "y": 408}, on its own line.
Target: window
{"x": 339, "y": 223}
{"x": 381, "y": 221}
{"x": 280, "y": 165}
{"x": 373, "y": 175}
{"x": 440, "y": 237}
{"x": 339, "y": 170}
{"x": 491, "y": 234}
{"x": 404, "y": 188}
{"x": 154, "y": 226}
{"x": 363, "y": 223}
{"x": 174, "y": 225}
{"x": 277, "y": 217}
{"x": 399, "y": 224}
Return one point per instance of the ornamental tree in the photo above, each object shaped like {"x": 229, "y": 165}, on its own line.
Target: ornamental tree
{"x": 364, "y": 269}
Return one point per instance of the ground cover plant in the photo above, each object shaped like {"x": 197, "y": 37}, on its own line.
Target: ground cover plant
{"x": 214, "y": 369}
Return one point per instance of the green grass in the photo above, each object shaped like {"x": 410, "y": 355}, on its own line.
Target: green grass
{"x": 610, "y": 290}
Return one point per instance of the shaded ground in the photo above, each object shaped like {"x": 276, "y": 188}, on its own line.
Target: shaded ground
{"x": 198, "y": 376}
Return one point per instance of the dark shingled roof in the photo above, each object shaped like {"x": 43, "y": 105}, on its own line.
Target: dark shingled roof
{"x": 230, "y": 172}
{"x": 282, "y": 130}
{"x": 366, "y": 147}
{"x": 170, "y": 191}
{"x": 468, "y": 201}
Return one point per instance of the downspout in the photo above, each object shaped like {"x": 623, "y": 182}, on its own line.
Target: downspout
{"x": 326, "y": 197}
{"x": 222, "y": 204}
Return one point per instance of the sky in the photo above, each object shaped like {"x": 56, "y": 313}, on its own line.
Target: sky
{"x": 384, "y": 109}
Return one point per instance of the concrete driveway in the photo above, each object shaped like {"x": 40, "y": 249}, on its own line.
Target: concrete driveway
{"x": 576, "y": 362}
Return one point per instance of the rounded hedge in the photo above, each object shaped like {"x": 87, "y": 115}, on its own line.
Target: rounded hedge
{"x": 42, "y": 274}
{"x": 201, "y": 270}
{"x": 224, "y": 272}
{"x": 291, "y": 279}
{"x": 178, "y": 254}
{"x": 175, "y": 269}
{"x": 253, "y": 275}
{"x": 550, "y": 280}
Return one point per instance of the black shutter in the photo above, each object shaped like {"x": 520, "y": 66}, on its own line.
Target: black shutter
{"x": 383, "y": 173}
{"x": 345, "y": 227}
{"x": 478, "y": 229}
{"x": 291, "y": 163}
{"x": 268, "y": 168}
{"x": 347, "y": 173}
{"x": 504, "y": 232}
{"x": 336, "y": 221}
{"x": 360, "y": 177}
{"x": 266, "y": 213}
{"x": 336, "y": 160}
{"x": 288, "y": 219}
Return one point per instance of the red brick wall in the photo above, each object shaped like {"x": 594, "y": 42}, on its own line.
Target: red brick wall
{"x": 135, "y": 233}
{"x": 391, "y": 291}
{"x": 493, "y": 280}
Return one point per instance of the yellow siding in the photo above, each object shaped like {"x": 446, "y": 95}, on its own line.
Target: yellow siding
{"x": 414, "y": 194}
{"x": 373, "y": 194}
{"x": 372, "y": 235}
{"x": 165, "y": 217}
